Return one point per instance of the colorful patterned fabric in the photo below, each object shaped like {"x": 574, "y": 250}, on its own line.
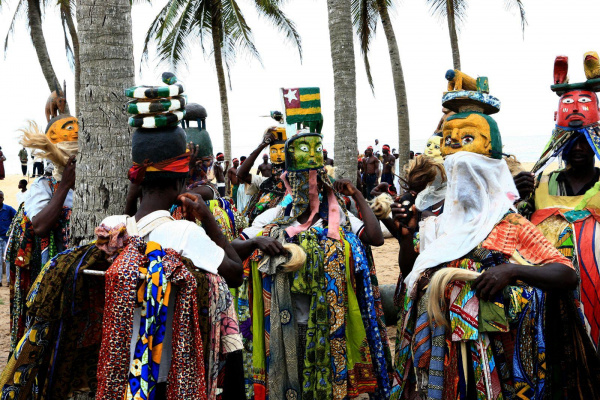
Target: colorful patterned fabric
{"x": 59, "y": 351}
{"x": 271, "y": 193}
{"x": 511, "y": 364}
{"x": 154, "y": 295}
{"x": 27, "y": 253}
{"x": 368, "y": 309}
{"x": 187, "y": 373}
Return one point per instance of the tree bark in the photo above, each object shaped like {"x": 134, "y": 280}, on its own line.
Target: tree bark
{"x": 453, "y": 35}
{"x": 216, "y": 37}
{"x": 105, "y": 139}
{"x": 34, "y": 15}
{"x": 75, "y": 40}
{"x": 344, "y": 83}
{"x": 399, "y": 86}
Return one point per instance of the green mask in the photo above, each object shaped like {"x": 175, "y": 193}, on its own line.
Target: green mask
{"x": 304, "y": 152}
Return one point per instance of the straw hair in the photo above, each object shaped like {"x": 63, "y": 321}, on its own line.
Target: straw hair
{"x": 382, "y": 206}
{"x": 514, "y": 165}
{"x": 420, "y": 172}
{"x": 34, "y": 138}
{"x": 436, "y": 306}
{"x": 297, "y": 257}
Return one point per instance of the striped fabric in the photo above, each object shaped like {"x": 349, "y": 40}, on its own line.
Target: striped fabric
{"x": 154, "y": 92}
{"x": 155, "y": 105}
{"x": 156, "y": 121}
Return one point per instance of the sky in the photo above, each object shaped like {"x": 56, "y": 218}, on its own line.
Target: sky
{"x": 519, "y": 67}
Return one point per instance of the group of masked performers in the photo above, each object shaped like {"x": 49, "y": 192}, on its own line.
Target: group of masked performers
{"x": 186, "y": 297}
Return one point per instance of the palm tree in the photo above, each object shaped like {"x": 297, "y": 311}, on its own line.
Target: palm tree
{"x": 107, "y": 68}
{"x": 344, "y": 84}
{"x": 366, "y": 14}
{"x": 454, "y": 11}
{"x": 181, "y": 21}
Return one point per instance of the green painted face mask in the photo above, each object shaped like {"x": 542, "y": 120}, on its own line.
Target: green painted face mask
{"x": 304, "y": 152}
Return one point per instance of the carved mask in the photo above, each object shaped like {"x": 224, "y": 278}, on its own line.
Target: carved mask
{"x": 577, "y": 108}
{"x": 474, "y": 132}
{"x": 63, "y": 130}
{"x": 277, "y": 153}
{"x": 433, "y": 148}
{"x": 304, "y": 152}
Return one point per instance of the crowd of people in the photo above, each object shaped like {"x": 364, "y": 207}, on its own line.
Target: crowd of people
{"x": 256, "y": 280}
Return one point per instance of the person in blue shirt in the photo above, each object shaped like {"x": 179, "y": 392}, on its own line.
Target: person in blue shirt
{"x": 7, "y": 213}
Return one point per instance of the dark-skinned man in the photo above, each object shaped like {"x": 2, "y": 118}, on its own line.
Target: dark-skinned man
{"x": 370, "y": 171}
{"x": 565, "y": 204}
{"x": 389, "y": 162}
{"x": 232, "y": 180}
{"x": 319, "y": 226}
{"x": 46, "y": 213}
{"x": 265, "y": 169}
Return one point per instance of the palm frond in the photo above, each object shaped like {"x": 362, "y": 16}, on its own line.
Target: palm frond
{"x": 439, "y": 8}
{"x": 518, "y": 4}
{"x": 174, "y": 46}
{"x": 235, "y": 28}
{"x": 20, "y": 9}
{"x": 68, "y": 48}
{"x": 272, "y": 11}
{"x": 365, "y": 16}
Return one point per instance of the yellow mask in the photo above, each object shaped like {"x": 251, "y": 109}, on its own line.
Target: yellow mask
{"x": 467, "y": 134}
{"x": 277, "y": 153}
{"x": 64, "y": 130}
{"x": 433, "y": 148}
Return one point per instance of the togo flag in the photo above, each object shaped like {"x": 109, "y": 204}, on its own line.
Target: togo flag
{"x": 302, "y": 105}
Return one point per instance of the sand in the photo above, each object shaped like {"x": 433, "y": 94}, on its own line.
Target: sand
{"x": 9, "y": 187}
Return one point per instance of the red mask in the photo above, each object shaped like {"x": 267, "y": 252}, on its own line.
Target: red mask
{"x": 577, "y": 108}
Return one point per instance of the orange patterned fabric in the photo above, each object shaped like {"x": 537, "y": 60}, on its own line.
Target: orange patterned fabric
{"x": 516, "y": 233}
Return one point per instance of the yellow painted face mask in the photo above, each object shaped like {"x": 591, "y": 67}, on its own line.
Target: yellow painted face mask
{"x": 468, "y": 132}
{"x": 64, "y": 130}
{"x": 277, "y": 153}
{"x": 433, "y": 148}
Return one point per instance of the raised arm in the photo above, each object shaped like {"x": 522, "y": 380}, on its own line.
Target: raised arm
{"x": 372, "y": 232}
{"x": 243, "y": 172}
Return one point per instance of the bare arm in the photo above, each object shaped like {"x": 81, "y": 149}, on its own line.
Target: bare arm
{"x": 243, "y": 172}
{"x": 245, "y": 248}
{"x": 372, "y": 231}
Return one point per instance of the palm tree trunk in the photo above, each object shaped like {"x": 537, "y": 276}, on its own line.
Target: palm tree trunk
{"x": 344, "y": 84}
{"x": 399, "y": 86}
{"x": 217, "y": 42}
{"x": 453, "y": 35}
{"x": 104, "y": 139}
{"x": 34, "y": 15}
{"x": 75, "y": 41}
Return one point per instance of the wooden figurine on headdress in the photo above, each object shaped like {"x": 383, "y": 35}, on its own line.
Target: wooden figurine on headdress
{"x": 56, "y": 103}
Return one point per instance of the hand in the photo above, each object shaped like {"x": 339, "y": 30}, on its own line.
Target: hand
{"x": 194, "y": 158}
{"x": 345, "y": 187}
{"x": 525, "y": 183}
{"x": 68, "y": 176}
{"x": 405, "y": 218}
{"x": 269, "y": 136}
{"x": 194, "y": 207}
{"x": 493, "y": 280}
{"x": 269, "y": 245}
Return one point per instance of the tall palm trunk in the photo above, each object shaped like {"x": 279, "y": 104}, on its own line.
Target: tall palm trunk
{"x": 34, "y": 15}
{"x": 344, "y": 84}
{"x": 75, "y": 40}
{"x": 217, "y": 43}
{"x": 104, "y": 139}
{"x": 399, "y": 86}
{"x": 453, "y": 35}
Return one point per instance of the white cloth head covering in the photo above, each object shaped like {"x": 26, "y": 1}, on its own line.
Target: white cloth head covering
{"x": 432, "y": 194}
{"x": 480, "y": 192}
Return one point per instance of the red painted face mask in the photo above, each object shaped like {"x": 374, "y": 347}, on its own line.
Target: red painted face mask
{"x": 577, "y": 108}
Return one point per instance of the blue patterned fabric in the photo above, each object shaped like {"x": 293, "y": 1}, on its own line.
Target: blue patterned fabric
{"x": 364, "y": 292}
